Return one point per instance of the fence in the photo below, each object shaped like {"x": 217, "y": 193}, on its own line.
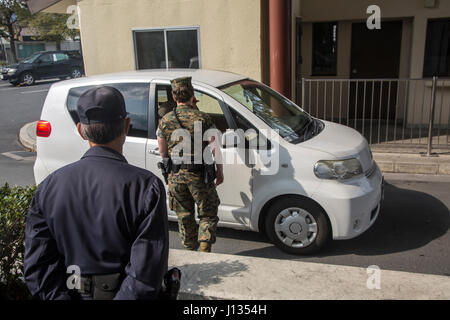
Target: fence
{"x": 400, "y": 112}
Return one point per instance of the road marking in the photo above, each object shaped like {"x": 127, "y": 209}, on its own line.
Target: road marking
{"x": 34, "y": 91}
{"x": 13, "y": 155}
{"x": 9, "y": 88}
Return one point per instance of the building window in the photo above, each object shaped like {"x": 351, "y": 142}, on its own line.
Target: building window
{"x": 324, "y": 48}
{"x": 167, "y": 48}
{"x": 437, "y": 49}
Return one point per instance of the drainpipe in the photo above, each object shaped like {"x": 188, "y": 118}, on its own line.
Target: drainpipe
{"x": 279, "y": 46}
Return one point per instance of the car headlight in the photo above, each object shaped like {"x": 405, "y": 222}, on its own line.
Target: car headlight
{"x": 337, "y": 169}
{"x": 12, "y": 71}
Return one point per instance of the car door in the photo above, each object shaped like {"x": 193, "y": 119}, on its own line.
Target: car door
{"x": 44, "y": 66}
{"x": 235, "y": 193}
{"x": 62, "y": 64}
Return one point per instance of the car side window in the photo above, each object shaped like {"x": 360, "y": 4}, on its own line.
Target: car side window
{"x": 136, "y": 97}
{"x": 46, "y": 58}
{"x": 211, "y": 106}
{"x": 249, "y": 130}
{"x": 60, "y": 57}
{"x": 206, "y": 104}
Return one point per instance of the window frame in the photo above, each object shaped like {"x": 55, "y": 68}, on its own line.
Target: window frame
{"x": 314, "y": 72}
{"x": 424, "y": 71}
{"x": 165, "y": 30}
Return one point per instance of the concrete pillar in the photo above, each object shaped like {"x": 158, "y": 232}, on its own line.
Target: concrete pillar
{"x": 279, "y": 21}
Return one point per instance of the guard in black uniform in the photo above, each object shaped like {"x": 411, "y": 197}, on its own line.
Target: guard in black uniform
{"x": 99, "y": 214}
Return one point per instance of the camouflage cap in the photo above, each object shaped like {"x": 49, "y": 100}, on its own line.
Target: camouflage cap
{"x": 183, "y": 82}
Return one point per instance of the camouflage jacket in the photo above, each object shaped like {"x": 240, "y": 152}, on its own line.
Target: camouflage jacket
{"x": 187, "y": 115}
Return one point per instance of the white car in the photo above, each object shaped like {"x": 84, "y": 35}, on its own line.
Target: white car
{"x": 321, "y": 181}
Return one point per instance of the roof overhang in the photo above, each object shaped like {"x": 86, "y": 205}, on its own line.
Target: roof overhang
{"x": 53, "y": 6}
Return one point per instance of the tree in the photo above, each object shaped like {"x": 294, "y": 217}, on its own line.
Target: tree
{"x": 15, "y": 16}
{"x": 13, "y": 19}
{"x": 52, "y": 27}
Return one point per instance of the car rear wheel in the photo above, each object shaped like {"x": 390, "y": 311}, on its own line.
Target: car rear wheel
{"x": 28, "y": 79}
{"x": 76, "y": 73}
{"x": 297, "y": 225}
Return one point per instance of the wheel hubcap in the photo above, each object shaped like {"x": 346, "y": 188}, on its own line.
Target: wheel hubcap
{"x": 76, "y": 73}
{"x": 296, "y": 227}
{"x": 28, "y": 79}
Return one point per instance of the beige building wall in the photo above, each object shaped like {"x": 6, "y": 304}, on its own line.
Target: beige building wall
{"x": 229, "y": 31}
{"x": 415, "y": 18}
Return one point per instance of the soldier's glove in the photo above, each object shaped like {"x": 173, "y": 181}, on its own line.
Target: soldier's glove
{"x": 165, "y": 167}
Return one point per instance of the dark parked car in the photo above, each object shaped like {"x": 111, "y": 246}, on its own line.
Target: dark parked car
{"x": 45, "y": 65}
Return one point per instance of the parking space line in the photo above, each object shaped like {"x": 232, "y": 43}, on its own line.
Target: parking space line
{"x": 34, "y": 91}
{"x": 17, "y": 157}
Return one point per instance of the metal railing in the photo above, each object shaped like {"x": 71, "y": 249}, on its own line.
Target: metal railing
{"x": 400, "y": 112}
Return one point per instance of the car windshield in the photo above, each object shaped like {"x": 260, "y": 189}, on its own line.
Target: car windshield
{"x": 31, "y": 58}
{"x": 271, "y": 107}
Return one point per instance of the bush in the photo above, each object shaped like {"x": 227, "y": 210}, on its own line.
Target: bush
{"x": 14, "y": 203}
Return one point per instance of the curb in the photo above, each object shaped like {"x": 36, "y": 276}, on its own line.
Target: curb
{"x": 413, "y": 163}
{"x": 27, "y": 136}
{"x": 210, "y": 276}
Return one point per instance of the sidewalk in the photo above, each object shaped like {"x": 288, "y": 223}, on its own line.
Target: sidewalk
{"x": 230, "y": 277}
{"x": 394, "y": 161}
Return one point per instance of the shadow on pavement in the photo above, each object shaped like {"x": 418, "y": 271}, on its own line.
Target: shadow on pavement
{"x": 209, "y": 273}
{"x": 408, "y": 220}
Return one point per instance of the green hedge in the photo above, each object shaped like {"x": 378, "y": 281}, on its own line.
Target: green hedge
{"x": 14, "y": 203}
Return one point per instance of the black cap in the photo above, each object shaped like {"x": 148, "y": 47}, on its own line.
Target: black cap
{"x": 101, "y": 104}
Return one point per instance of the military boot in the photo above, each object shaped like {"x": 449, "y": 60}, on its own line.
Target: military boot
{"x": 205, "y": 247}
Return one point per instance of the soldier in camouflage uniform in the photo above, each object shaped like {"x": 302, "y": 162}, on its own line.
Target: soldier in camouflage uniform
{"x": 186, "y": 186}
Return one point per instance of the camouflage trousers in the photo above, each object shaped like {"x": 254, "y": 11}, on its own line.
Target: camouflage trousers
{"x": 184, "y": 194}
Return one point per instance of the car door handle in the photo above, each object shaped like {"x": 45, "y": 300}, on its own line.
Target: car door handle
{"x": 154, "y": 151}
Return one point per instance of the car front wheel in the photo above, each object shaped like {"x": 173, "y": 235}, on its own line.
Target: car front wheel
{"x": 27, "y": 78}
{"x": 297, "y": 225}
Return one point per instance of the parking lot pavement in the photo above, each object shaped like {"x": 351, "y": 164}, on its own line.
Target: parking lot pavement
{"x": 411, "y": 234}
{"x": 18, "y": 106}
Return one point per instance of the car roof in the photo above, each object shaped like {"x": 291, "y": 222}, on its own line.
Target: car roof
{"x": 211, "y": 77}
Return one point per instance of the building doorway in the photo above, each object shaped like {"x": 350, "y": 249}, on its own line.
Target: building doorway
{"x": 375, "y": 54}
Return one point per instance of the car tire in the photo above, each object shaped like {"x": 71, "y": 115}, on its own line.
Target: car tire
{"x": 27, "y": 78}
{"x": 297, "y": 225}
{"x": 76, "y": 73}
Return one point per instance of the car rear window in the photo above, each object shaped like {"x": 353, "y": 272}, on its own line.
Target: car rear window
{"x": 136, "y": 99}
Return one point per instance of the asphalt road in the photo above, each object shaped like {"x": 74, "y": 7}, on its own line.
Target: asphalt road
{"x": 18, "y": 106}
{"x": 411, "y": 234}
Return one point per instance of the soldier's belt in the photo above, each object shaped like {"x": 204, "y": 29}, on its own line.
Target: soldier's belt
{"x": 189, "y": 167}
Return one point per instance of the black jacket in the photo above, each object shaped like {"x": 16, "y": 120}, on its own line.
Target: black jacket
{"x": 102, "y": 215}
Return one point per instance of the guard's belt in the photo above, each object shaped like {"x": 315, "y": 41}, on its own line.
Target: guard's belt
{"x": 101, "y": 287}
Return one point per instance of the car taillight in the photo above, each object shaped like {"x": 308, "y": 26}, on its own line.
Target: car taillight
{"x": 43, "y": 129}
